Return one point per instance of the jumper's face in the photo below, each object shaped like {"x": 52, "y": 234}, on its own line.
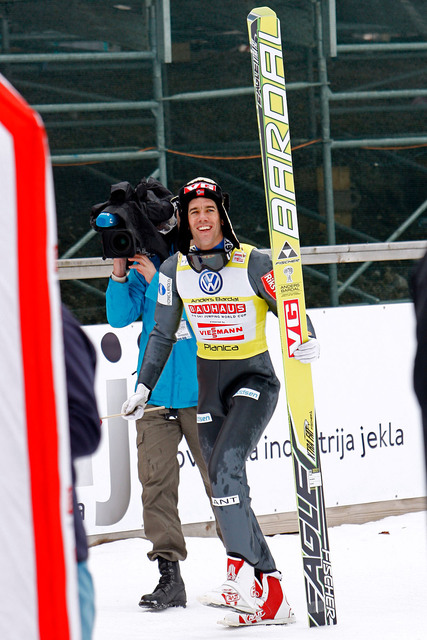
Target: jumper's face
{"x": 205, "y": 223}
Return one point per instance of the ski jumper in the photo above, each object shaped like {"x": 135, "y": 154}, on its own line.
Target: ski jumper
{"x": 238, "y": 389}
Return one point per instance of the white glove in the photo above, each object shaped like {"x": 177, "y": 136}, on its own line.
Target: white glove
{"x": 307, "y": 352}
{"x": 134, "y": 406}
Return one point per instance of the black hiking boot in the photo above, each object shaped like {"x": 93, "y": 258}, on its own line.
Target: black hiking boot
{"x": 170, "y": 592}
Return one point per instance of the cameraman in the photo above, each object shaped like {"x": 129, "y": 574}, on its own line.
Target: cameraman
{"x": 130, "y": 295}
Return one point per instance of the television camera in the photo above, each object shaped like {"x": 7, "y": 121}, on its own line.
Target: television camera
{"x": 135, "y": 220}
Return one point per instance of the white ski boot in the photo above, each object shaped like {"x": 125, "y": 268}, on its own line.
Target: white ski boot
{"x": 273, "y": 607}
{"x": 239, "y": 591}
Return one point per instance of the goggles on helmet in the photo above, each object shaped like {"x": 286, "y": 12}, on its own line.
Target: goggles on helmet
{"x": 167, "y": 225}
{"x": 212, "y": 260}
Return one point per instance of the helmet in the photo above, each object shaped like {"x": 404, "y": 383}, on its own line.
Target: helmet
{"x": 202, "y": 188}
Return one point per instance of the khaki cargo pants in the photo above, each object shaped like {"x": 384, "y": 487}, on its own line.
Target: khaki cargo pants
{"x": 158, "y": 438}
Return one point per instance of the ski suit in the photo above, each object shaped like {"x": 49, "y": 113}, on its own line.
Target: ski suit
{"x": 238, "y": 389}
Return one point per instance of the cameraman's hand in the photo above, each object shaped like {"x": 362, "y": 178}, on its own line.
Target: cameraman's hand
{"x": 134, "y": 406}
{"x": 144, "y": 266}
{"x": 119, "y": 267}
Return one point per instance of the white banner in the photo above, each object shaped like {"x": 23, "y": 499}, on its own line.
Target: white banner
{"x": 369, "y": 423}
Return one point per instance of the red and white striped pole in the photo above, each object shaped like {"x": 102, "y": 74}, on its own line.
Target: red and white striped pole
{"x": 38, "y": 579}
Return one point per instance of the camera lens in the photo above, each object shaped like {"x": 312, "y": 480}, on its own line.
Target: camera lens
{"x": 121, "y": 243}
{"x": 118, "y": 243}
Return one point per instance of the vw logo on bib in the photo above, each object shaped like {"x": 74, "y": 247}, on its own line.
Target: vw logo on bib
{"x": 210, "y": 282}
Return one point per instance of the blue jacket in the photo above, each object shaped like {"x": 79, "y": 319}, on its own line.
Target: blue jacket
{"x": 126, "y": 303}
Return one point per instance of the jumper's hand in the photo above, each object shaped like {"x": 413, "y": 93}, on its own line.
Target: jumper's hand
{"x": 307, "y": 352}
{"x": 133, "y": 408}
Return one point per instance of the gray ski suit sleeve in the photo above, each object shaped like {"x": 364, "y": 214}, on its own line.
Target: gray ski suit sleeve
{"x": 163, "y": 336}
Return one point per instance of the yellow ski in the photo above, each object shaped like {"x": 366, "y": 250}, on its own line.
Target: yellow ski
{"x": 273, "y": 124}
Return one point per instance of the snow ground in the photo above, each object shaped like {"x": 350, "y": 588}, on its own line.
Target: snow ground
{"x": 379, "y": 570}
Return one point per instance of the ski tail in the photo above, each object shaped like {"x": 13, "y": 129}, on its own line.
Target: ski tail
{"x": 274, "y": 134}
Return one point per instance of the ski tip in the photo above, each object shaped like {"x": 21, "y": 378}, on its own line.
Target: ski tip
{"x": 260, "y": 12}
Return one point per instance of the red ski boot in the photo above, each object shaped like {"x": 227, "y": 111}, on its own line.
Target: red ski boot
{"x": 273, "y": 606}
{"x": 239, "y": 591}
